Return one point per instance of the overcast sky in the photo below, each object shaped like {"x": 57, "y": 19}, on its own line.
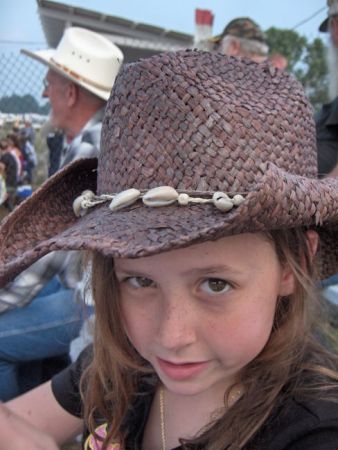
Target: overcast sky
{"x": 20, "y": 25}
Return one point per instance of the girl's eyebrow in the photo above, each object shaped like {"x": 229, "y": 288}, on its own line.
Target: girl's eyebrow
{"x": 211, "y": 270}
{"x": 127, "y": 272}
{"x": 208, "y": 270}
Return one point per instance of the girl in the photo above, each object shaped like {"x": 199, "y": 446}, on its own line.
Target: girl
{"x": 208, "y": 230}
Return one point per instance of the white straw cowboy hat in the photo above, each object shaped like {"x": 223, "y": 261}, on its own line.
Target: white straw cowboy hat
{"x": 195, "y": 146}
{"x": 87, "y": 58}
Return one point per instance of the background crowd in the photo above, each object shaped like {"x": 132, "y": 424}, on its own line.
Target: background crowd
{"x": 18, "y": 160}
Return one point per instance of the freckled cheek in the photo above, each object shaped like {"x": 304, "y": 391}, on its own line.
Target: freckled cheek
{"x": 241, "y": 338}
{"x": 138, "y": 325}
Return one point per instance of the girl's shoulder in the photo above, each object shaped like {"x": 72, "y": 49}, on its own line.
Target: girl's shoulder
{"x": 299, "y": 423}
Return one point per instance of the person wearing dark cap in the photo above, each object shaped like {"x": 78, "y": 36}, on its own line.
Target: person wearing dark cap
{"x": 327, "y": 134}
{"x": 327, "y": 118}
{"x": 242, "y": 37}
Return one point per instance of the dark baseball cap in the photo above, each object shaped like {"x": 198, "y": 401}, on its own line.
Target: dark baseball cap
{"x": 333, "y": 11}
{"x": 242, "y": 27}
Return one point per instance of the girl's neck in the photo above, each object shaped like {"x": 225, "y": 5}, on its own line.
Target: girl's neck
{"x": 183, "y": 416}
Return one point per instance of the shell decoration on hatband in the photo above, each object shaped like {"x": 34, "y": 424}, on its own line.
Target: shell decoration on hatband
{"x": 155, "y": 197}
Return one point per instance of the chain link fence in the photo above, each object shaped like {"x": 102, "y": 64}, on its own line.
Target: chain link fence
{"x": 21, "y": 81}
{"x": 21, "y": 86}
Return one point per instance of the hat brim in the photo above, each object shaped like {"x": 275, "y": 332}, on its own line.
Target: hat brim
{"x": 215, "y": 39}
{"x": 46, "y": 58}
{"x": 324, "y": 26}
{"x": 46, "y": 221}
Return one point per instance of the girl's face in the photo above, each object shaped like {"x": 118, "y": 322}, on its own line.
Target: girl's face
{"x": 202, "y": 313}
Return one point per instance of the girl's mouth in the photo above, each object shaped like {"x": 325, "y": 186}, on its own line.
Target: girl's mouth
{"x": 181, "y": 371}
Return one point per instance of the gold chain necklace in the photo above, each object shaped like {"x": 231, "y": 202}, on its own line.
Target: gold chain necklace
{"x": 163, "y": 437}
{"x": 234, "y": 395}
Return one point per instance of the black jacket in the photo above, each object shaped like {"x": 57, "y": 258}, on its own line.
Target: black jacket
{"x": 295, "y": 424}
{"x": 327, "y": 137}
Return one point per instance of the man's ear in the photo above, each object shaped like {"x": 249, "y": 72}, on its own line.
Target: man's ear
{"x": 233, "y": 47}
{"x": 333, "y": 24}
{"x": 72, "y": 94}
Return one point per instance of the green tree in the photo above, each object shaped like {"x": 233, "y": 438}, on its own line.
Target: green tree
{"x": 17, "y": 104}
{"x": 306, "y": 60}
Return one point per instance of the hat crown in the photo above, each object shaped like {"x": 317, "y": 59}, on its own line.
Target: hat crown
{"x": 88, "y": 55}
{"x": 246, "y": 28}
{"x": 205, "y": 122}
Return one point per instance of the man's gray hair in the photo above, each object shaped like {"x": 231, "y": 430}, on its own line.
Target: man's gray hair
{"x": 249, "y": 46}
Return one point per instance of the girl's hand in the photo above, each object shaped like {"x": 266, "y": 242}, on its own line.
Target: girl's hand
{"x": 17, "y": 434}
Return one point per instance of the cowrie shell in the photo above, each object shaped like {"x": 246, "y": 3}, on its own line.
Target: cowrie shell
{"x": 160, "y": 196}
{"x": 79, "y": 206}
{"x": 79, "y": 211}
{"x": 222, "y": 201}
{"x": 124, "y": 198}
{"x": 88, "y": 195}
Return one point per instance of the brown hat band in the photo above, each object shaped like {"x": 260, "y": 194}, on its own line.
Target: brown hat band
{"x": 79, "y": 77}
{"x": 155, "y": 197}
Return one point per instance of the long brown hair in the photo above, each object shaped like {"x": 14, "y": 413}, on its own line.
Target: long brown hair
{"x": 295, "y": 361}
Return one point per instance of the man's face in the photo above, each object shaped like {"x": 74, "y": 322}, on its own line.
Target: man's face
{"x": 232, "y": 46}
{"x": 56, "y": 90}
{"x": 333, "y": 28}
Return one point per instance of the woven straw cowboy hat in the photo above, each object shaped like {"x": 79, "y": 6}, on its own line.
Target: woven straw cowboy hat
{"x": 201, "y": 123}
{"x": 87, "y": 58}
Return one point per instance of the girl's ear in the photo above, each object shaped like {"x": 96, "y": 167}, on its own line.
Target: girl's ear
{"x": 287, "y": 283}
{"x": 312, "y": 239}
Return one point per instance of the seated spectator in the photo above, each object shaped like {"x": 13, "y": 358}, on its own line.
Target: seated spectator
{"x": 55, "y": 143}
{"x": 327, "y": 130}
{"x": 327, "y": 117}
{"x": 29, "y": 131}
{"x": 3, "y": 189}
{"x": 42, "y": 304}
{"x": 30, "y": 157}
{"x": 14, "y": 148}
{"x": 11, "y": 170}
{"x": 41, "y": 311}
{"x": 244, "y": 38}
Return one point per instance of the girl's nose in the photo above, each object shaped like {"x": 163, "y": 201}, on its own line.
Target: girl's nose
{"x": 176, "y": 327}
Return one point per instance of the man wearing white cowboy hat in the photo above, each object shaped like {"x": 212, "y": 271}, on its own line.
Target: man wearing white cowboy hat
{"x": 81, "y": 71}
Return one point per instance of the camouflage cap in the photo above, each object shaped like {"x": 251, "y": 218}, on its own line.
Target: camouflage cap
{"x": 333, "y": 11}
{"x": 242, "y": 27}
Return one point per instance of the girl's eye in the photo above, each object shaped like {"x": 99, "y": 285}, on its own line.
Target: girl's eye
{"x": 139, "y": 282}
{"x": 215, "y": 286}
